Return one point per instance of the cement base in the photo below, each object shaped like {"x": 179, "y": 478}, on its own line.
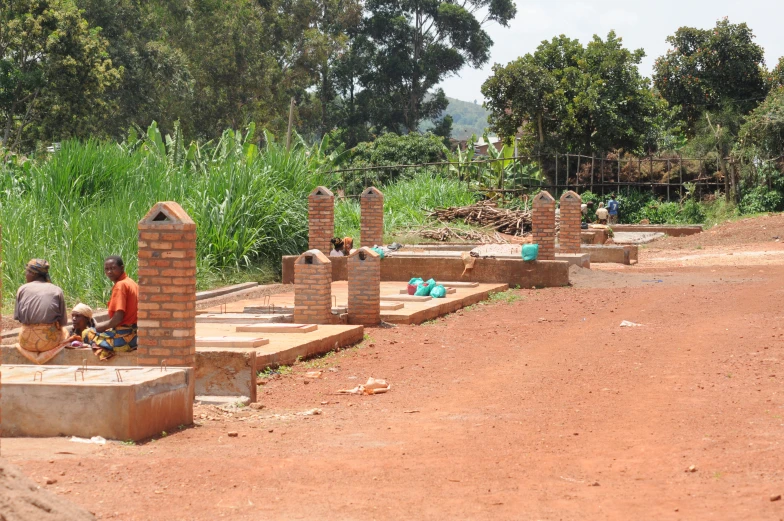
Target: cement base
{"x": 671, "y": 230}
{"x": 626, "y": 254}
{"x": 222, "y": 371}
{"x": 402, "y": 267}
{"x": 119, "y": 403}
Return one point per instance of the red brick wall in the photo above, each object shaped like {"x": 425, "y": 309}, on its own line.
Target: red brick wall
{"x": 313, "y": 289}
{"x": 364, "y": 287}
{"x": 372, "y": 225}
{"x": 544, "y": 225}
{"x": 321, "y": 219}
{"x": 167, "y": 287}
{"x": 571, "y": 218}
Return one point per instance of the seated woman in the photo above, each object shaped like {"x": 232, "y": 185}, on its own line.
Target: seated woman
{"x": 337, "y": 247}
{"x": 40, "y": 307}
{"x": 119, "y": 334}
{"x": 81, "y": 320}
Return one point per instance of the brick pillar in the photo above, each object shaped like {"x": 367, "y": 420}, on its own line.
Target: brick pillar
{"x": 313, "y": 288}
{"x": 544, "y": 225}
{"x": 372, "y": 226}
{"x": 364, "y": 287}
{"x": 321, "y": 219}
{"x": 167, "y": 287}
{"x": 571, "y": 219}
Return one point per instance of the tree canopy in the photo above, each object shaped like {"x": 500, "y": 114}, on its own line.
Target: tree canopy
{"x": 574, "y": 98}
{"x": 707, "y": 68}
{"x": 54, "y": 71}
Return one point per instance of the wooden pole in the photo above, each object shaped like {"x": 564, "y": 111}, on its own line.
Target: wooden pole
{"x": 291, "y": 123}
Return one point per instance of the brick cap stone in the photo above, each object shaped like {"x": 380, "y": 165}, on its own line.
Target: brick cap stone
{"x": 543, "y": 196}
{"x": 570, "y": 196}
{"x": 166, "y": 212}
{"x": 367, "y": 251}
{"x": 372, "y": 191}
{"x": 316, "y": 255}
{"x": 322, "y": 191}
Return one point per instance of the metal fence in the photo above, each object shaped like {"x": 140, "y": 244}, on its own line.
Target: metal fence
{"x": 665, "y": 176}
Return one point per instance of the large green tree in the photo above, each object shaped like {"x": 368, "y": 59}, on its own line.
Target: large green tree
{"x": 574, "y": 98}
{"x": 54, "y": 71}
{"x": 708, "y": 68}
{"x": 409, "y": 46}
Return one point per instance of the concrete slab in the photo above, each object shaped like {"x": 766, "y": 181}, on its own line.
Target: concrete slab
{"x": 452, "y": 284}
{"x": 391, "y": 306}
{"x": 400, "y": 266}
{"x": 241, "y": 318}
{"x": 671, "y": 230}
{"x": 230, "y": 341}
{"x": 418, "y": 312}
{"x": 277, "y": 328}
{"x": 285, "y": 310}
{"x": 611, "y": 254}
{"x": 120, "y": 403}
{"x": 405, "y": 298}
{"x": 636, "y": 237}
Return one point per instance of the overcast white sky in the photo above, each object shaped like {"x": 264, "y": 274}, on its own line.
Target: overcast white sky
{"x": 640, "y": 23}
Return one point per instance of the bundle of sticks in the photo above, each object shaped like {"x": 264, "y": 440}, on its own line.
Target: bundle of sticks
{"x": 487, "y": 214}
{"x": 446, "y": 233}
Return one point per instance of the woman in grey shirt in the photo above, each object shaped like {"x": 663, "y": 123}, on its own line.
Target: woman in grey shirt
{"x": 40, "y": 307}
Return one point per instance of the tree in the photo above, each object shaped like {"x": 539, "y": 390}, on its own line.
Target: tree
{"x": 415, "y": 44}
{"x": 762, "y": 135}
{"x": 709, "y": 68}
{"x": 777, "y": 74}
{"x": 157, "y": 83}
{"x": 574, "y": 98}
{"x": 54, "y": 71}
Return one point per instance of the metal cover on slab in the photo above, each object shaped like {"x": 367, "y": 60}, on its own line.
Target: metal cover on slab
{"x": 229, "y": 341}
{"x": 277, "y": 328}
{"x": 239, "y": 318}
{"x": 405, "y": 298}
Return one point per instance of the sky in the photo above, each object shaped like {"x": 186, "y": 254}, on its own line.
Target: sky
{"x": 641, "y": 24}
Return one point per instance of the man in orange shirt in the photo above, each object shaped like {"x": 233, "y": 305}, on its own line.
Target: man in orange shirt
{"x": 119, "y": 334}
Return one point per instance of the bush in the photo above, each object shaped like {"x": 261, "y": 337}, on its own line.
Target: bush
{"x": 760, "y": 199}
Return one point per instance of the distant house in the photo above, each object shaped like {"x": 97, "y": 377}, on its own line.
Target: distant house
{"x": 480, "y": 147}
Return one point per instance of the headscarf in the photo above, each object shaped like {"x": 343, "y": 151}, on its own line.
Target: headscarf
{"x": 348, "y": 244}
{"x": 39, "y": 267}
{"x": 84, "y": 310}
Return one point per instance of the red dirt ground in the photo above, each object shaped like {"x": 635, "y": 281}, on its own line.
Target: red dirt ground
{"x": 537, "y": 409}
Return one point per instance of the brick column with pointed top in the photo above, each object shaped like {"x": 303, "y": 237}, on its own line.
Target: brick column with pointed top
{"x": 313, "y": 288}
{"x": 571, "y": 220}
{"x": 364, "y": 287}
{"x": 371, "y": 232}
{"x": 544, "y": 225}
{"x": 321, "y": 219}
{"x": 167, "y": 287}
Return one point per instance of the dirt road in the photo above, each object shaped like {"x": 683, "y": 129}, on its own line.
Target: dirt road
{"x": 536, "y": 408}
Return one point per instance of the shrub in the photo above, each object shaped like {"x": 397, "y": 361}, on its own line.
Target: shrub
{"x": 760, "y": 199}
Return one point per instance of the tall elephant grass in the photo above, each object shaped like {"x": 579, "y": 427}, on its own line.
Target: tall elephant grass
{"x": 406, "y": 204}
{"x": 84, "y": 202}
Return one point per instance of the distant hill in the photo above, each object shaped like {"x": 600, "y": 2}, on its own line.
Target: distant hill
{"x": 468, "y": 118}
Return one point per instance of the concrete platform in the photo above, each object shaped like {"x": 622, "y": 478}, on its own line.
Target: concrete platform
{"x": 626, "y": 254}
{"x": 223, "y": 371}
{"x": 402, "y": 267}
{"x": 414, "y": 311}
{"x": 119, "y": 403}
{"x": 214, "y": 316}
{"x": 671, "y": 230}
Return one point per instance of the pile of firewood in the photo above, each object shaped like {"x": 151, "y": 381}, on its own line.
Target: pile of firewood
{"x": 487, "y": 214}
{"x": 447, "y": 233}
